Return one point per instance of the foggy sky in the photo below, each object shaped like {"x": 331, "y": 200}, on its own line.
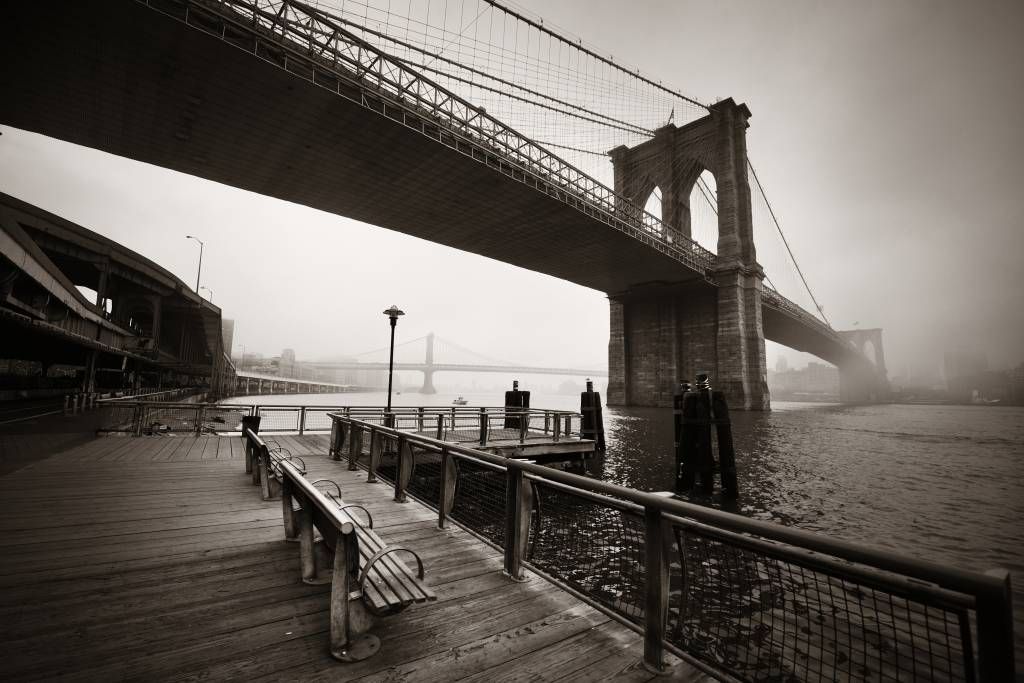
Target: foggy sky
{"x": 886, "y": 133}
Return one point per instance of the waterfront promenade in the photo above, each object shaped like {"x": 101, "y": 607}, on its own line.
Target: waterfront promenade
{"x": 154, "y": 558}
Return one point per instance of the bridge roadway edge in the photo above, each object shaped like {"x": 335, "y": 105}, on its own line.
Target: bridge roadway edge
{"x": 154, "y": 558}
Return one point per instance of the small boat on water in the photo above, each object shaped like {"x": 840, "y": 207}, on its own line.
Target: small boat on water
{"x": 460, "y": 401}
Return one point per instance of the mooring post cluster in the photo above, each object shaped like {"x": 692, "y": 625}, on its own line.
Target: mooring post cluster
{"x": 516, "y": 402}
{"x": 696, "y": 409}
{"x": 593, "y": 417}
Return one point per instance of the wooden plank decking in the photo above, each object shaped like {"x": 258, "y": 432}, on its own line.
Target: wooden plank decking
{"x": 154, "y": 558}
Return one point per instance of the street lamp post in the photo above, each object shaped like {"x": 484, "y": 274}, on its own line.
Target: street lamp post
{"x": 200, "y": 270}
{"x": 392, "y": 313}
{"x": 210, "y": 291}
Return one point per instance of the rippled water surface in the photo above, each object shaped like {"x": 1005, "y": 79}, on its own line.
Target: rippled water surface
{"x": 943, "y": 483}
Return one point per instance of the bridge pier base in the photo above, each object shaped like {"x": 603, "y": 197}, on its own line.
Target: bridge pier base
{"x": 661, "y": 335}
{"x": 428, "y": 383}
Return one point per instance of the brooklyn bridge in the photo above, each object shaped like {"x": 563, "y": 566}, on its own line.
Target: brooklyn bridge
{"x": 308, "y": 105}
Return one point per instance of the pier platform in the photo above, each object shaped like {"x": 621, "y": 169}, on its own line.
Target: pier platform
{"x": 154, "y": 558}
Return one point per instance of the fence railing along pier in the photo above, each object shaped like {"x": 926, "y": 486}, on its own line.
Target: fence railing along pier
{"x": 481, "y": 425}
{"x": 731, "y": 594}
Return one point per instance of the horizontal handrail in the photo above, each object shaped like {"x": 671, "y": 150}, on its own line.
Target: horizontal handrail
{"x": 929, "y": 585}
{"x": 919, "y": 569}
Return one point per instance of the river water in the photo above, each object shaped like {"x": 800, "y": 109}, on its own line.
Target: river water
{"x": 943, "y": 483}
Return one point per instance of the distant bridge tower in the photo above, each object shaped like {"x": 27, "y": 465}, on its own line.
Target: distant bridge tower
{"x": 863, "y": 378}
{"x": 662, "y": 332}
{"x": 428, "y": 374}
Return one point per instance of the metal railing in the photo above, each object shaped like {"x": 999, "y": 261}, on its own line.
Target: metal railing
{"x": 315, "y": 46}
{"x": 480, "y": 425}
{"x": 772, "y": 298}
{"x": 752, "y": 599}
{"x": 163, "y": 417}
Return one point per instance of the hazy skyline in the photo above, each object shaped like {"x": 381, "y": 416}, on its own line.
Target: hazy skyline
{"x": 887, "y": 135}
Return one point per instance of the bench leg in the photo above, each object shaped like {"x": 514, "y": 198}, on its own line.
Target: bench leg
{"x": 309, "y": 551}
{"x": 291, "y": 527}
{"x": 349, "y": 619}
{"x": 265, "y": 477}
{"x": 273, "y": 487}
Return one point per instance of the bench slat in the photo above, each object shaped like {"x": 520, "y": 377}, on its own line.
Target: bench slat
{"x": 398, "y": 578}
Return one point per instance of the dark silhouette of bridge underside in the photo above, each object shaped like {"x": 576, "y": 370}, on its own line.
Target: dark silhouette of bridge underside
{"x": 141, "y": 85}
{"x": 123, "y": 78}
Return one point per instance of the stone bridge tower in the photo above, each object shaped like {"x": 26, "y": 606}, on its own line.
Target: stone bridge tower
{"x": 663, "y": 332}
{"x": 428, "y": 373}
{"x": 863, "y": 378}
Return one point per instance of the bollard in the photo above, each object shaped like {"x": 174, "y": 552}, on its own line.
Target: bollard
{"x": 593, "y": 417}
{"x": 514, "y": 400}
{"x": 67, "y": 403}
{"x": 683, "y": 475}
{"x": 695, "y": 411}
{"x": 705, "y": 459}
{"x": 726, "y": 450}
{"x": 689, "y": 442}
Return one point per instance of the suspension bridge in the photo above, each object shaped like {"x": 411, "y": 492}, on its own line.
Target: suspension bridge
{"x": 468, "y": 124}
{"x": 440, "y": 355}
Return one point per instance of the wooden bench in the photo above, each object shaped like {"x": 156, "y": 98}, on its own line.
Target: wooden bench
{"x": 367, "y": 577}
{"x": 263, "y": 461}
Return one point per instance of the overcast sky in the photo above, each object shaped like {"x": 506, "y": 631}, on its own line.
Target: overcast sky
{"x": 888, "y": 135}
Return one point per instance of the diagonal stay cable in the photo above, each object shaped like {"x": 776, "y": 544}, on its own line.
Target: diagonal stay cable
{"x": 771, "y": 211}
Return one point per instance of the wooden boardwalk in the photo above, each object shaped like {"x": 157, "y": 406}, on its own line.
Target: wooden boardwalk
{"x": 153, "y": 558}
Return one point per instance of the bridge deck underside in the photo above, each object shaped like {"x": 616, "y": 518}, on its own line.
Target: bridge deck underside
{"x": 125, "y": 79}
{"x": 155, "y": 559}
{"x": 782, "y": 328}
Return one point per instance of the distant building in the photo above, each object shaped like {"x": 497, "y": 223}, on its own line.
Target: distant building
{"x": 1016, "y": 393}
{"x": 818, "y": 381}
{"x": 965, "y": 373}
{"x": 781, "y": 365}
{"x": 286, "y": 366}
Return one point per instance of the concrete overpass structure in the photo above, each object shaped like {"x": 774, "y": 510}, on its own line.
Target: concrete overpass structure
{"x": 144, "y": 327}
{"x": 249, "y": 383}
{"x": 277, "y": 98}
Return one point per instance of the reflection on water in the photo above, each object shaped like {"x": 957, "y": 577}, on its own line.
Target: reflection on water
{"x": 944, "y": 483}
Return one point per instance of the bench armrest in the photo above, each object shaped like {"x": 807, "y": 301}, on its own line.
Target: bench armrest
{"x": 369, "y": 517}
{"x": 382, "y": 553}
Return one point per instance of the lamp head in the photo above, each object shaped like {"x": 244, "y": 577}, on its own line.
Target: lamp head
{"x": 393, "y": 313}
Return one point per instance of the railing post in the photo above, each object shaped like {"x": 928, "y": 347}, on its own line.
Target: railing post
{"x": 404, "y": 470}
{"x": 558, "y": 427}
{"x": 376, "y": 448}
{"x": 655, "y": 588}
{"x": 440, "y": 426}
{"x": 449, "y": 480}
{"x": 995, "y": 630}
{"x": 302, "y": 420}
{"x": 483, "y": 426}
{"x": 355, "y": 445}
{"x": 518, "y": 507}
{"x": 200, "y": 418}
{"x": 419, "y": 419}
{"x": 547, "y": 422}
{"x": 524, "y": 425}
